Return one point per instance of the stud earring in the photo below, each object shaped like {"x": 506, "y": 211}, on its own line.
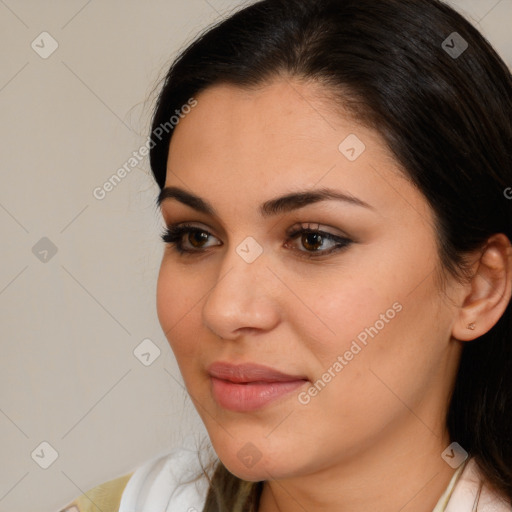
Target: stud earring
{"x": 471, "y": 325}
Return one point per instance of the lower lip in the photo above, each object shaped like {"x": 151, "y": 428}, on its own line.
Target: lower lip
{"x": 250, "y": 396}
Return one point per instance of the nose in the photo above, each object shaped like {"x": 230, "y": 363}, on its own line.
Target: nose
{"x": 240, "y": 301}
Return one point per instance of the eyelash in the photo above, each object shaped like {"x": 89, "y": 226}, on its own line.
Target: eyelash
{"x": 173, "y": 235}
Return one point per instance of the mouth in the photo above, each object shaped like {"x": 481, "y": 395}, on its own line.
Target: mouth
{"x": 248, "y": 387}
{"x": 250, "y": 372}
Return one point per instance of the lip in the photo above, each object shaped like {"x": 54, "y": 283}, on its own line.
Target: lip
{"x": 247, "y": 387}
{"x": 249, "y": 372}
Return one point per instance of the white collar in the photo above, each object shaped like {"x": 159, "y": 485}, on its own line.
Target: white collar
{"x": 471, "y": 493}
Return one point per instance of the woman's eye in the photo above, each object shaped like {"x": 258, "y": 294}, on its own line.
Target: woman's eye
{"x": 316, "y": 242}
{"x": 196, "y": 237}
{"x": 189, "y": 240}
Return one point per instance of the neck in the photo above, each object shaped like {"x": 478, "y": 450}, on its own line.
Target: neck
{"x": 409, "y": 477}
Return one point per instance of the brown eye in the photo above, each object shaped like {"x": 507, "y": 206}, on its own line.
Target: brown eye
{"x": 186, "y": 239}
{"x": 312, "y": 241}
{"x": 196, "y": 238}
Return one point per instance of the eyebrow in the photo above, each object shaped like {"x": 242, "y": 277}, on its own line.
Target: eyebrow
{"x": 283, "y": 204}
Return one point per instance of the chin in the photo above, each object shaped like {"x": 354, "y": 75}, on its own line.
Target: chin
{"x": 247, "y": 462}
{"x": 254, "y": 473}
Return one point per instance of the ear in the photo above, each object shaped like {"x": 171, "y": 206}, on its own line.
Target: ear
{"x": 488, "y": 294}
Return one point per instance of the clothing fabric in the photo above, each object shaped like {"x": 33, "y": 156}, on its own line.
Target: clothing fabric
{"x": 158, "y": 486}
{"x": 105, "y": 497}
{"x": 163, "y": 484}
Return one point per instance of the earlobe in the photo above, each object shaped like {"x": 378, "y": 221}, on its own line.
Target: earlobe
{"x": 488, "y": 292}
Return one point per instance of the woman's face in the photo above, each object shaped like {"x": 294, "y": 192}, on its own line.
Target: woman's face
{"x": 362, "y": 323}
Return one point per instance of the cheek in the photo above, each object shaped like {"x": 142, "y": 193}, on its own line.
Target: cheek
{"x": 389, "y": 345}
{"x": 339, "y": 309}
{"x": 375, "y": 323}
{"x": 178, "y": 303}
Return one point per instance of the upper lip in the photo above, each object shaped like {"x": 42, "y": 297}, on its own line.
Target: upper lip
{"x": 249, "y": 372}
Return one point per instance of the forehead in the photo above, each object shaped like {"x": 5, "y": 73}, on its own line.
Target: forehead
{"x": 279, "y": 120}
{"x": 276, "y": 138}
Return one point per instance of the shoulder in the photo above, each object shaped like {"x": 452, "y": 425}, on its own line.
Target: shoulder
{"x": 473, "y": 493}
{"x": 105, "y": 497}
{"x": 169, "y": 482}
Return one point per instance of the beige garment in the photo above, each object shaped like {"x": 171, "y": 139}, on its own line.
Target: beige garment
{"x": 105, "y": 497}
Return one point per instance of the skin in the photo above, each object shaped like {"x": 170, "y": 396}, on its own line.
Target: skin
{"x": 372, "y": 438}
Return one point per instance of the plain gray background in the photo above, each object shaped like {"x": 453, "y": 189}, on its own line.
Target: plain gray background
{"x": 78, "y": 274}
